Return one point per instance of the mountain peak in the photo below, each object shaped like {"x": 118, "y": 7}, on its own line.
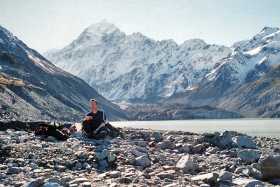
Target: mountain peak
{"x": 194, "y": 44}
{"x": 102, "y": 27}
{"x": 266, "y": 31}
{"x": 5, "y": 34}
{"x": 269, "y": 29}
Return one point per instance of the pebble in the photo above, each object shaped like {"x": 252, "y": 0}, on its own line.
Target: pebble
{"x": 143, "y": 158}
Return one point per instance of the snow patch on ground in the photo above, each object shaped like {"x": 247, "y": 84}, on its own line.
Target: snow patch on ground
{"x": 254, "y": 51}
{"x": 263, "y": 60}
{"x": 40, "y": 63}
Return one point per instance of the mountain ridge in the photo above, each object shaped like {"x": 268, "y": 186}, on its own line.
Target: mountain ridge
{"x": 134, "y": 68}
{"x": 32, "y": 88}
{"x": 112, "y": 59}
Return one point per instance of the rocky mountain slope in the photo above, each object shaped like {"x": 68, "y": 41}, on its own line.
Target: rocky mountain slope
{"x": 135, "y": 67}
{"x": 246, "y": 82}
{"x": 31, "y": 87}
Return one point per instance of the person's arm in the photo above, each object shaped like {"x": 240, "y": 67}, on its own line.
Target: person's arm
{"x": 88, "y": 117}
{"x": 104, "y": 117}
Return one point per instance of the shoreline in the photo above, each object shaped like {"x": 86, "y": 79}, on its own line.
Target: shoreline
{"x": 144, "y": 157}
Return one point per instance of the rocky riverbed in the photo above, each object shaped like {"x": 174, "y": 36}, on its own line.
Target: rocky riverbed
{"x": 141, "y": 158}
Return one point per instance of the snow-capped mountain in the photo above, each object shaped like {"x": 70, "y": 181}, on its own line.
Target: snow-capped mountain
{"x": 135, "y": 67}
{"x": 194, "y": 73}
{"x": 246, "y": 82}
{"x": 250, "y": 59}
{"x": 32, "y": 88}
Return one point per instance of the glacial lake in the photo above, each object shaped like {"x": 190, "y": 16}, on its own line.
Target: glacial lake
{"x": 253, "y": 127}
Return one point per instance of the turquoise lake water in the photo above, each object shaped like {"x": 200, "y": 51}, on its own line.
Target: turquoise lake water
{"x": 254, "y": 127}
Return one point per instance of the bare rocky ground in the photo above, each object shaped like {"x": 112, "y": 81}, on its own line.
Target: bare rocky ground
{"x": 141, "y": 158}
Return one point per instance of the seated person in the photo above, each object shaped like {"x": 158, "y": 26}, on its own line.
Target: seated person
{"x": 95, "y": 124}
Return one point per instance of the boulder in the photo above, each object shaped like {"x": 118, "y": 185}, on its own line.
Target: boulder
{"x": 209, "y": 178}
{"x": 270, "y": 167}
{"x": 185, "y": 148}
{"x": 166, "y": 144}
{"x": 52, "y": 184}
{"x": 244, "y": 141}
{"x": 115, "y": 174}
{"x": 249, "y": 155}
{"x": 222, "y": 140}
{"x": 14, "y": 170}
{"x": 187, "y": 163}
{"x": 157, "y": 136}
{"x": 86, "y": 184}
{"x": 244, "y": 182}
{"x": 276, "y": 148}
{"x": 199, "y": 148}
{"x": 230, "y": 139}
{"x": 225, "y": 176}
{"x": 102, "y": 164}
{"x": 138, "y": 152}
{"x": 35, "y": 183}
{"x": 143, "y": 161}
{"x": 102, "y": 154}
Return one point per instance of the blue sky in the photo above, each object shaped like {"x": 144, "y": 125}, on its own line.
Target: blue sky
{"x": 47, "y": 24}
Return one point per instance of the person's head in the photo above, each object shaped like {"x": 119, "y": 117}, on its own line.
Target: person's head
{"x": 93, "y": 105}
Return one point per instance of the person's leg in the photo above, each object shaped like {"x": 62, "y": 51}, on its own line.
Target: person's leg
{"x": 114, "y": 132}
{"x": 86, "y": 129}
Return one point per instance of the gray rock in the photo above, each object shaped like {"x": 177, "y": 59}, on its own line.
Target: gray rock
{"x": 86, "y": 184}
{"x": 111, "y": 157}
{"x": 138, "y": 153}
{"x": 125, "y": 180}
{"x": 35, "y": 183}
{"x": 276, "y": 148}
{"x": 255, "y": 173}
{"x": 186, "y": 148}
{"x": 204, "y": 185}
{"x": 115, "y": 174}
{"x": 169, "y": 174}
{"x": 157, "y": 136}
{"x": 103, "y": 164}
{"x": 102, "y": 154}
{"x": 187, "y": 163}
{"x": 52, "y": 184}
{"x": 212, "y": 150}
{"x": 143, "y": 161}
{"x": 249, "y": 156}
{"x": 225, "y": 176}
{"x": 270, "y": 167}
{"x": 244, "y": 142}
{"x": 78, "y": 181}
{"x": 14, "y": 170}
{"x": 209, "y": 178}
{"x": 230, "y": 139}
{"x": 199, "y": 148}
{"x": 166, "y": 144}
{"x": 244, "y": 182}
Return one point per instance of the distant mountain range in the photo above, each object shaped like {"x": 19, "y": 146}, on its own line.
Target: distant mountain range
{"x": 32, "y": 88}
{"x": 237, "y": 81}
{"x": 135, "y": 67}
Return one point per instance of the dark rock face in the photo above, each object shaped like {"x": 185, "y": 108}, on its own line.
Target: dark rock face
{"x": 32, "y": 88}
